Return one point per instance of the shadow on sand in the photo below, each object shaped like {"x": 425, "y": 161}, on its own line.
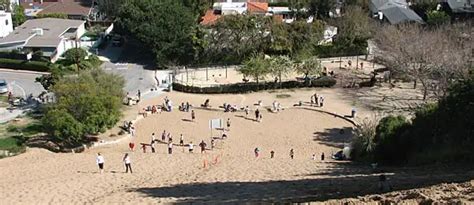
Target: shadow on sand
{"x": 331, "y": 185}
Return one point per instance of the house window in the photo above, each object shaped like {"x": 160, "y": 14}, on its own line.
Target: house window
{"x": 6, "y": 22}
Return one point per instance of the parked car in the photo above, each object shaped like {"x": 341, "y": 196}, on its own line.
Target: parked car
{"x": 3, "y": 86}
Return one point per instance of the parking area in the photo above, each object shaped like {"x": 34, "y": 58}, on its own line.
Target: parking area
{"x": 22, "y": 84}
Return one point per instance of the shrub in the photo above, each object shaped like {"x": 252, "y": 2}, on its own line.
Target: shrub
{"x": 278, "y": 4}
{"x": 25, "y": 65}
{"x": 391, "y": 147}
{"x": 253, "y": 87}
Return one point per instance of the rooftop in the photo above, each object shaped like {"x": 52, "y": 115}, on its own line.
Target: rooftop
{"x": 52, "y": 28}
{"x": 70, "y": 7}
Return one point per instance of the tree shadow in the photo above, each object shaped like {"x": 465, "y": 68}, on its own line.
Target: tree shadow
{"x": 334, "y": 137}
{"x": 334, "y": 185}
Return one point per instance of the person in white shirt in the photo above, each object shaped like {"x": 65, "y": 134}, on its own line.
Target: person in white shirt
{"x": 153, "y": 138}
{"x": 100, "y": 162}
{"x": 181, "y": 140}
{"x": 191, "y": 147}
{"x": 128, "y": 165}
{"x": 170, "y": 148}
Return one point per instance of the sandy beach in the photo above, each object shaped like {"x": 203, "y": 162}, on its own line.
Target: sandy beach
{"x": 230, "y": 173}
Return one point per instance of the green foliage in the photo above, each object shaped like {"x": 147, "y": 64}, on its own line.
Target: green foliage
{"x": 309, "y": 67}
{"x": 12, "y": 144}
{"x": 256, "y": 67}
{"x": 19, "y": 16}
{"x": 63, "y": 127}
{"x": 166, "y": 26}
{"x": 86, "y": 104}
{"x": 280, "y": 66}
{"x": 437, "y": 18}
{"x": 5, "y": 4}
{"x": 440, "y": 132}
{"x": 391, "y": 146}
{"x": 109, "y": 8}
{"x": 321, "y": 8}
{"x": 48, "y": 80}
{"x": 52, "y": 15}
{"x": 25, "y": 65}
{"x": 279, "y": 4}
{"x": 75, "y": 55}
{"x": 253, "y": 86}
{"x": 363, "y": 144}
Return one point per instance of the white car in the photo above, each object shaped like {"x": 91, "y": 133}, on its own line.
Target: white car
{"x": 3, "y": 86}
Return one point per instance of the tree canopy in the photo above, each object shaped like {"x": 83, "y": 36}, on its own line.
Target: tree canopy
{"x": 166, "y": 26}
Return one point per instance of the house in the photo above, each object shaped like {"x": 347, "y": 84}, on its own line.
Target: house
{"x": 75, "y": 9}
{"x": 6, "y": 24}
{"x": 393, "y": 11}
{"x": 49, "y": 35}
{"x": 460, "y": 6}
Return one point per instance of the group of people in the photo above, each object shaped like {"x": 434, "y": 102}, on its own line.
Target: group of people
{"x": 317, "y": 100}
{"x": 292, "y": 154}
{"x": 100, "y": 161}
{"x": 185, "y": 107}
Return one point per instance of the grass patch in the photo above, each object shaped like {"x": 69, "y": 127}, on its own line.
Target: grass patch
{"x": 283, "y": 96}
{"x": 3, "y": 101}
{"x": 12, "y": 144}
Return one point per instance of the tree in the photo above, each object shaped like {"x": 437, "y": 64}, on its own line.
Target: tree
{"x": 109, "y": 8}
{"x": 321, "y": 8}
{"x": 256, "y": 67}
{"x": 166, "y": 26}
{"x": 434, "y": 57}
{"x": 87, "y": 103}
{"x": 280, "y": 66}
{"x": 437, "y": 18}
{"x": 5, "y": 4}
{"x": 19, "y": 16}
{"x": 304, "y": 36}
{"x": 354, "y": 29}
{"x": 76, "y": 57}
{"x": 309, "y": 67}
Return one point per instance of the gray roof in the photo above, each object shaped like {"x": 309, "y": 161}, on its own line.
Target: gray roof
{"x": 461, "y": 6}
{"x": 53, "y": 29}
{"x": 397, "y": 15}
{"x": 377, "y": 5}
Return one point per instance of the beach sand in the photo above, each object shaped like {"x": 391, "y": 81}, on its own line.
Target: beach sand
{"x": 228, "y": 174}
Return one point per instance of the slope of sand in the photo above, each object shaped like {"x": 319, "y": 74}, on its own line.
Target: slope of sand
{"x": 232, "y": 172}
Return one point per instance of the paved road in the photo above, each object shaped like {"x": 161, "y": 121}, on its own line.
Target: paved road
{"x": 22, "y": 84}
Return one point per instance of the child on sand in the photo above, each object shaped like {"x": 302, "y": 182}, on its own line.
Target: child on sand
{"x": 144, "y": 148}
{"x": 257, "y": 114}
{"x": 322, "y": 156}
{"x": 228, "y": 123}
{"x": 153, "y": 139}
{"x": 292, "y": 153}
{"x": 191, "y": 147}
{"x": 126, "y": 160}
{"x": 152, "y": 145}
{"x": 256, "y": 151}
{"x": 213, "y": 143}
{"x": 193, "y": 115}
{"x": 272, "y": 154}
{"x": 100, "y": 162}
{"x": 131, "y": 145}
{"x": 246, "y": 111}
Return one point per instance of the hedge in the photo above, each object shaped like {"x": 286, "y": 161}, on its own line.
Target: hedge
{"x": 252, "y": 86}
{"x": 25, "y": 65}
{"x": 279, "y": 4}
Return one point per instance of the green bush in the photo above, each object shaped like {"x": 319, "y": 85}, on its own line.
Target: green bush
{"x": 25, "y": 65}
{"x": 253, "y": 87}
{"x": 391, "y": 146}
{"x": 278, "y": 4}
{"x": 12, "y": 144}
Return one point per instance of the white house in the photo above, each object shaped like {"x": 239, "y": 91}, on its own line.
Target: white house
{"x": 6, "y": 24}
{"x": 49, "y": 35}
{"x": 231, "y": 6}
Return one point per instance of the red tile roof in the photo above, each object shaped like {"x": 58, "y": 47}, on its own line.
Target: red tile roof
{"x": 70, "y": 7}
{"x": 257, "y": 7}
{"x": 209, "y": 18}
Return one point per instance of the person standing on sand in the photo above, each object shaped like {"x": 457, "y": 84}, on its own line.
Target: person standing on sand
{"x": 131, "y": 145}
{"x": 256, "y": 151}
{"x": 322, "y": 156}
{"x": 257, "y": 115}
{"x": 272, "y": 154}
{"x": 228, "y": 123}
{"x": 153, "y": 139}
{"x": 100, "y": 162}
{"x": 213, "y": 144}
{"x": 181, "y": 140}
{"x": 126, "y": 160}
{"x": 170, "y": 148}
{"x": 152, "y": 145}
{"x": 193, "y": 115}
{"x": 203, "y": 146}
{"x": 260, "y": 118}
{"x": 292, "y": 153}
{"x": 246, "y": 112}
{"x": 191, "y": 147}
{"x": 163, "y": 136}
